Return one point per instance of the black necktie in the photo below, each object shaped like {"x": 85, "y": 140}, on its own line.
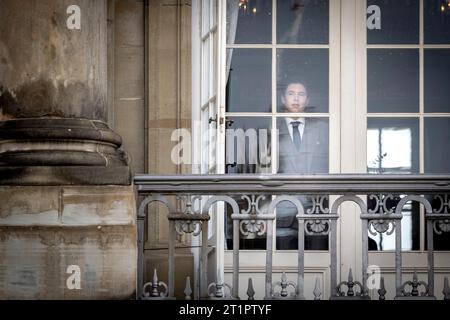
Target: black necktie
{"x": 296, "y": 134}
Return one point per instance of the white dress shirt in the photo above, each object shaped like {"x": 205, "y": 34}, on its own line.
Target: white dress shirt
{"x": 301, "y": 126}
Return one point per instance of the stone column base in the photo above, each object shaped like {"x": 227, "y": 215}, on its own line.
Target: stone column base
{"x": 63, "y": 242}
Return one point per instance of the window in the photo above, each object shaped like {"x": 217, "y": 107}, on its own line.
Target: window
{"x": 378, "y": 97}
{"x": 277, "y": 99}
{"x": 408, "y": 73}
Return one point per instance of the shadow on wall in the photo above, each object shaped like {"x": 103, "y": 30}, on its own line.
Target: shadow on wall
{"x": 44, "y": 98}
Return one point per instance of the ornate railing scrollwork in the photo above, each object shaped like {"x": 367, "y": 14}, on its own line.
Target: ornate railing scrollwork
{"x": 384, "y": 224}
{"x": 381, "y": 203}
{"x": 316, "y": 215}
{"x": 440, "y": 226}
{"x": 253, "y": 225}
{"x": 284, "y": 284}
{"x": 351, "y": 284}
{"x": 154, "y": 292}
{"x": 188, "y": 223}
{"x": 415, "y": 284}
{"x": 441, "y": 214}
{"x": 219, "y": 291}
{"x": 317, "y": 227}
{"x": 381, "y": 226}
{"x": 318, "y": 205}
{"x": 444, "y": 203}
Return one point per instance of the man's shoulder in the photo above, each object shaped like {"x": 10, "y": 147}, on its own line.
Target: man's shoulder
{"x": 317, "y": 123}
{"x": 281, "y": 124}
{"x": 318, "y": 128}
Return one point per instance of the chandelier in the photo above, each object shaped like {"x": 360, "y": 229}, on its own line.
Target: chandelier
{"x": 445, "y": 6}
{"x": 246, "y": 6}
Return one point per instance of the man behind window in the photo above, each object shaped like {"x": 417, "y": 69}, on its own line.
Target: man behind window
{"x": 303, "y": 149}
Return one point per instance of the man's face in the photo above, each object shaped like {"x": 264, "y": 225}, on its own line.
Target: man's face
{"x": 295, "y": 98}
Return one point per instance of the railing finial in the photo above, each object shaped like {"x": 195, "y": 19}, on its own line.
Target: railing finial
{"x": 317, "y": 292}
{"x": 446, "y": 290}
{"x": 250, "y": 290}
{"x": 382, "y": 290}
{"x": 188, "y": 290}
{"x": 155, "y": 292}
{"x": 350, "y": 284}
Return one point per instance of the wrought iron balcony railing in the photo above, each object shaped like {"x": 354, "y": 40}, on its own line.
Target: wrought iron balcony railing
{"x": 316, "y": 219}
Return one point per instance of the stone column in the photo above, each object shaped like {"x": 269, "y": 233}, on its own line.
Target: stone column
{"x": 65, "y": 185}
{"x": 53, "y": 95}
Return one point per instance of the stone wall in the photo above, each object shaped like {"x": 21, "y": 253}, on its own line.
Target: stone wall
{"x": 46, "y": 230}
{"x": 66, "y": 198}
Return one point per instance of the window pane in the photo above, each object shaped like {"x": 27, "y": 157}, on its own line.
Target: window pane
{"x": 437, "y": 21}
{"x": 287, "y": 226}
{"x": 437, "y": 145}
{"x": 248, "y": 151}
{"x": 206, "y": 24}
{"x": 249, "y": 81}
{"x": 399, "y": 22}
{"x": 308, "y": 67}
{"x": 410, "y": 226}
{"x": 392, "y": 80}
{"x": 308, "y": 155}
{"x": 249, "y": 21}
{"x": 440, "y": 241}
{"x": 437, "y": 80}
{"x": 248, "y": 145}
{"x": 247, "y": 240}
{"x": 392, "y": 145}
{"x": 302, "y": 22}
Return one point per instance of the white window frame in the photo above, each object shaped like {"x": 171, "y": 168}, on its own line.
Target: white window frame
{"x": 348, "y": 105}
{"x": 416, "y": 259}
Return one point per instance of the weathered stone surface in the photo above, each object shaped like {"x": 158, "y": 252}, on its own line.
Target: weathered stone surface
{"x": 64, "y": 175}
{"x": 44, "y": 231}
{"x": 59, "y": 142}
{"x": 53, "y": 96}
{"x": 129, "y": 79}
{"x": 184, "y": 267}
{"x": 47, "y": 70}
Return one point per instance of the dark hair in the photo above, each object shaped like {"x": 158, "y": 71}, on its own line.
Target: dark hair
{"x": 295, "y": 81}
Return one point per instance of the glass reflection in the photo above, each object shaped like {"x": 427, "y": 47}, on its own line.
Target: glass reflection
{"x": 437, "y": 21}
{"x": 393, "y": 148}
{"x": 248, "y": 240}
{"x": 249, "y": 81}
{"x": 437, "y": 80}
{"x": 392, "y": 80}
{"x": 306, "y": 154}
{"x": 392, "y": 145}
{"x": 437, "y": 145}
{"x": 399, "y": 22}
{"x": 248, "y": 145}
{"x": 441, "y": 242}
{"x": 302, "y": 21}
{"x": 247, "y": 151}
{"x": 309, "y": 67}
{"x": 410, "y": 226}
{"x": 249, "y": 21}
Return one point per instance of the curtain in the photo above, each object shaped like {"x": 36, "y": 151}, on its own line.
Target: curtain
{"x": 232, "y": 21}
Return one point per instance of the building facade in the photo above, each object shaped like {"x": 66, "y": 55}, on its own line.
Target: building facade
{"x": 148, "y": 135}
